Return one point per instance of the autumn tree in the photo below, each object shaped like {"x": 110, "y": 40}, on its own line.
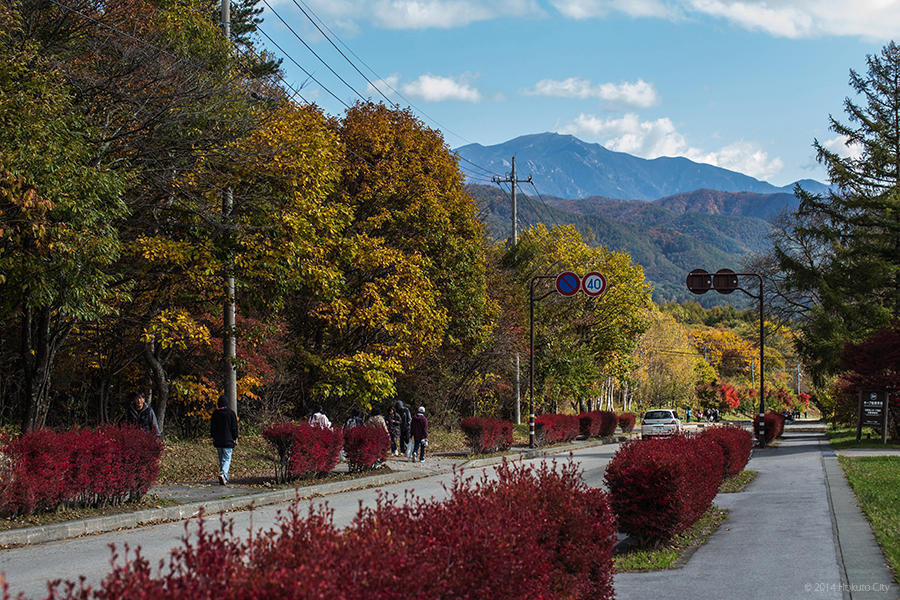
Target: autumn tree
{"x": 58, "y": 202}
{"x": 579, "y": 341}
{"x": 666, "y": 364}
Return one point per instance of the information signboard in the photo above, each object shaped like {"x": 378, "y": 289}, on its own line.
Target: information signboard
{"x": 873, "y": 412}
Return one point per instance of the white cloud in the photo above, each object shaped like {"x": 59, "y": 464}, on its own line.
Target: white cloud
{"x": 424, "y": 14}
{"x": 436, "y": 88}
{"x": 871, "y": 19}
{"x": 652, "y": 139}
{"x": 839, "y": 146}
{"x": 385, "y": 85}
{"x": 587, "y": 9}
{"x": 638, "y": 93}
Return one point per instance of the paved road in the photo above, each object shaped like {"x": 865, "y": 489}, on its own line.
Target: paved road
{"x": 29, "y": 568}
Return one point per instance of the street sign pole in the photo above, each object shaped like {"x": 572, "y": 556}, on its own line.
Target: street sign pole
{"x": 725, "y": 281}
{"x": 531, "y": 301}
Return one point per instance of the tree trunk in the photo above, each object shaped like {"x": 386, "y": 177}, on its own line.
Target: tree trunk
{"x": 39, "y": 344}
{"x": 160, "y": 381}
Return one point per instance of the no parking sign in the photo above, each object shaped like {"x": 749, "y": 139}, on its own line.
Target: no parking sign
{"x": 568, "y": 284}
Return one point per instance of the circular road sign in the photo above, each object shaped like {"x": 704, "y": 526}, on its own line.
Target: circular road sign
{"x": 725, "y": 281}
{"x": 593, "y": 284}
{"x": 699, "y": 281}
{"x": 567, "y": 283}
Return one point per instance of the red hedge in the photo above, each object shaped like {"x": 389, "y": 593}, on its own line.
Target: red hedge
{"x": 736, "y": 443}
{"x": 626, "y": 422}
{"x": 486, "y": 434}
{"x": 45, "y": 469}
{"x": 530, "y": 533}
{"x": 598, "y": 423}
{"x": 660, "y": 487}
{"x": 366, "y": 446}
{"x": 304, "y": 450}
{"x": 774, "y": 423}
{"x": 550, "y": 429}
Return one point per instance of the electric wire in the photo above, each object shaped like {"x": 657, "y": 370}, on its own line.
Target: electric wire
{"x": 352, "y": 64}
{"x": 314, "y": 53}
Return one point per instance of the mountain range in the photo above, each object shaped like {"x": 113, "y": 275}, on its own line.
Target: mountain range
{"x": 671, "y": 215}
{"x": 567, "y": 167}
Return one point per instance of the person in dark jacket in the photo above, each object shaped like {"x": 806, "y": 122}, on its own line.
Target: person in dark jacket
{"x": 141, "y": 414}
{"x": 393, "y": 423}
{"x": 405, "y": 420}
{"x": 223, "y": 428}
{"x": 419, "y": 428}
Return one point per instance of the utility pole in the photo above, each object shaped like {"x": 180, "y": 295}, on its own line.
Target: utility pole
{"x": 229, "y": 343}
{"x": 511, "y": 179}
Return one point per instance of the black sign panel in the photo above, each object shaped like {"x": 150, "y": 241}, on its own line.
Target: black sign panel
{"x": 873, "y": 407}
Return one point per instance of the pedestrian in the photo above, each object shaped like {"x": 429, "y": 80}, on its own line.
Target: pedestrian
{"x": 393, "y": 422}
{"x": 223, "y": 428}
{"x": 405, "y": 421}
{"x": 419, "y": 430}
{"x": 355, "y": 419}
{"x": 376, "y": 419}
{"x": 687, "y": 415}
{"x": 140, "y": 414}
{"x": 318, "y": 419}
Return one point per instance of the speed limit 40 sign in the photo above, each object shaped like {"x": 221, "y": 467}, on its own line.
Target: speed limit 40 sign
{"x": 593, "y": 284}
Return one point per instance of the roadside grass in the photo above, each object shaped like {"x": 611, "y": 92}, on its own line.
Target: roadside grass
{"x": 447, "y": 440}
{"x": 737, "y": 483}
{"x": 845, "y": 437}
{"x": 194, "y": 460}
{"x": 876, "y": 482}
{"x": 676, "y": 553}
{"x": 76, "y": 514}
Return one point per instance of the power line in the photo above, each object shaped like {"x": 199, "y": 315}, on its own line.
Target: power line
{"x": 308, "y": 47}
{"x": 308, "y": 74}
{"x": 352, "y": 64}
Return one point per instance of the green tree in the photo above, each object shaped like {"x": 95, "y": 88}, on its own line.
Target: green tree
{"x": 58, "y": 206}
{"x": 839, "y": 257}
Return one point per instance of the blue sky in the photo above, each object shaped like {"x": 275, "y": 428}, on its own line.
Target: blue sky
{"x": 743, "y": 85}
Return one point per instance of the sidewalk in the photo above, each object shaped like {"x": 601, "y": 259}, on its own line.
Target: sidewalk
{"x": 795, "y": 532}
{"x": 214, "y": 498}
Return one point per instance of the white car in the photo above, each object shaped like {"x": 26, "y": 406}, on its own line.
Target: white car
{"x": 660, "y": 422}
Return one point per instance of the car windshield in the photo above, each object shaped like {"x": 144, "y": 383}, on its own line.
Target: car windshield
{"x": 658, "y": 414}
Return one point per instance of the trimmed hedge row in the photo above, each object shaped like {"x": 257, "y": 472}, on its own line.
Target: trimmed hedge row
{"x": 304, "y": 450}
{"x": 45, "y": 469}
{"x": 550, "y": 429}
{"x": 598, "y": 423}
{"x": 531, "y": 533}
{"x": 486, "y": 434}
{"x": 774, "y": 423}
{"x": 626, "y": 422}
{"x": 660, "y": 487}
{"x": 366, "y": 446}
{"x": 736, "y": 443}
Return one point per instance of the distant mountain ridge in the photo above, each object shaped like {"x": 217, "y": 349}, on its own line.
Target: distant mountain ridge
{"x": 567, "y": 167}
{"x": 667, "y": 237}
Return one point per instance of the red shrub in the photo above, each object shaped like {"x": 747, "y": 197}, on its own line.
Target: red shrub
{"x": 598, "y": 423}
{"x": 44, "y": 469}
{"x": 660, "y": 487}
{"x": 366, "y": 446}
{"x": 774, "y": 423}
{"x": 304, "y": 450}
{"x": 626, "y": 422}
{"x": 528, "y": 534}
{"x": 736, "y": 443}
{"x": 550, "y": 429}
{"x": 486, "y": 434}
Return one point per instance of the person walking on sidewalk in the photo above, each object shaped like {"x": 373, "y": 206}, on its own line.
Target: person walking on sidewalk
{"x": 393, "y": 422}
{"x": 223, "y": 429}
{"x": 405, "y": 420}
{"x": 419, "y": 429}
{"x": 141, "y": 415}
{"x": 318, "y": 419}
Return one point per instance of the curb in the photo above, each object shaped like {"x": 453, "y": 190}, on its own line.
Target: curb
{"x": 128, "y": 520}
{"x": 864, "y": 570}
